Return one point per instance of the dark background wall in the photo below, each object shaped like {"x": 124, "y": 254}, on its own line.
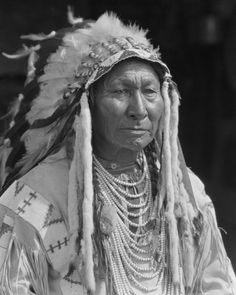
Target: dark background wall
{"x": 197, "y": 40}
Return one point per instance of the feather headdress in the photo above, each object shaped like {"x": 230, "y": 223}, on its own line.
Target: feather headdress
{"x": 54, "y": 108}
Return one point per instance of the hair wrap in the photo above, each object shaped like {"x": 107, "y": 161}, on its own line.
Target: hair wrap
{"x": 172, "y": 225}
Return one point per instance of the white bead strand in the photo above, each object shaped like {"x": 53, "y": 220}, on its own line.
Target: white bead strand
{"x": 131, "y": 252}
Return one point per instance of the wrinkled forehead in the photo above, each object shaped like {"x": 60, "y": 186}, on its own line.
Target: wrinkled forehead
{"x": 128, "y": 67}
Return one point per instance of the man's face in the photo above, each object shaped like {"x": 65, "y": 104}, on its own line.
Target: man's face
{"x": 127, "y": 106}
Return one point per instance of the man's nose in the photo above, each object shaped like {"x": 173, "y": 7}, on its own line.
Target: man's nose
{"x": 137, "y": 107}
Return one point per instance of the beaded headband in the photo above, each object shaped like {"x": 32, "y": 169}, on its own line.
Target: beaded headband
{"x": 105, "y": 55}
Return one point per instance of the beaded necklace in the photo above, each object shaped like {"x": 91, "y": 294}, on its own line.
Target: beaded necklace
{"x": 136, "y": 251}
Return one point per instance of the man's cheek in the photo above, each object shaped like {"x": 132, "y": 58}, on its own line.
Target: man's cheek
{"x": 109, "y": 127}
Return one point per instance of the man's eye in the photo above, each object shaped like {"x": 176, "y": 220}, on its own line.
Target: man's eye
{"x": 150, "y": 91}
{"x": 120, "y": 91}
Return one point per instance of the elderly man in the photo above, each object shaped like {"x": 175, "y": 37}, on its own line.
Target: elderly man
{"x": 96, "y": 196}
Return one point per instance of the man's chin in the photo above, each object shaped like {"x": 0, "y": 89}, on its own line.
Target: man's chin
{"x": 140, "y": 142}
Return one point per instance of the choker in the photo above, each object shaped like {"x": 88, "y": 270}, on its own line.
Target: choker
{"x": 116, "y": 167}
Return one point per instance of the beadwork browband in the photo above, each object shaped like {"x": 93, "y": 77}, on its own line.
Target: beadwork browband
{"x": 104, "y": 55}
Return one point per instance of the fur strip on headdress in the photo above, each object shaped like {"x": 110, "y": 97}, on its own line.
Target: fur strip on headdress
{"x": 73, "y": 194}
{"x": 85, "y": 150}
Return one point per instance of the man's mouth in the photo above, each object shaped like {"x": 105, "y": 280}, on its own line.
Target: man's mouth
{"x": 135, "y": 131}
{"x": 135, "y": 128}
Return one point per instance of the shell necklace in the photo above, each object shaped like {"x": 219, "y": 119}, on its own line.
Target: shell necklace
{"x": 134, "y": 241}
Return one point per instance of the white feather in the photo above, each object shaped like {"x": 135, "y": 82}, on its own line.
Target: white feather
{"x": 109, "y": 25}
{"x": 71, "y": 18}
{"x": 38, "y": 37}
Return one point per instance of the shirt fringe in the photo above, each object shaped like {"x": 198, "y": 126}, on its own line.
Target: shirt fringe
{"x": 24, "y": 266}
